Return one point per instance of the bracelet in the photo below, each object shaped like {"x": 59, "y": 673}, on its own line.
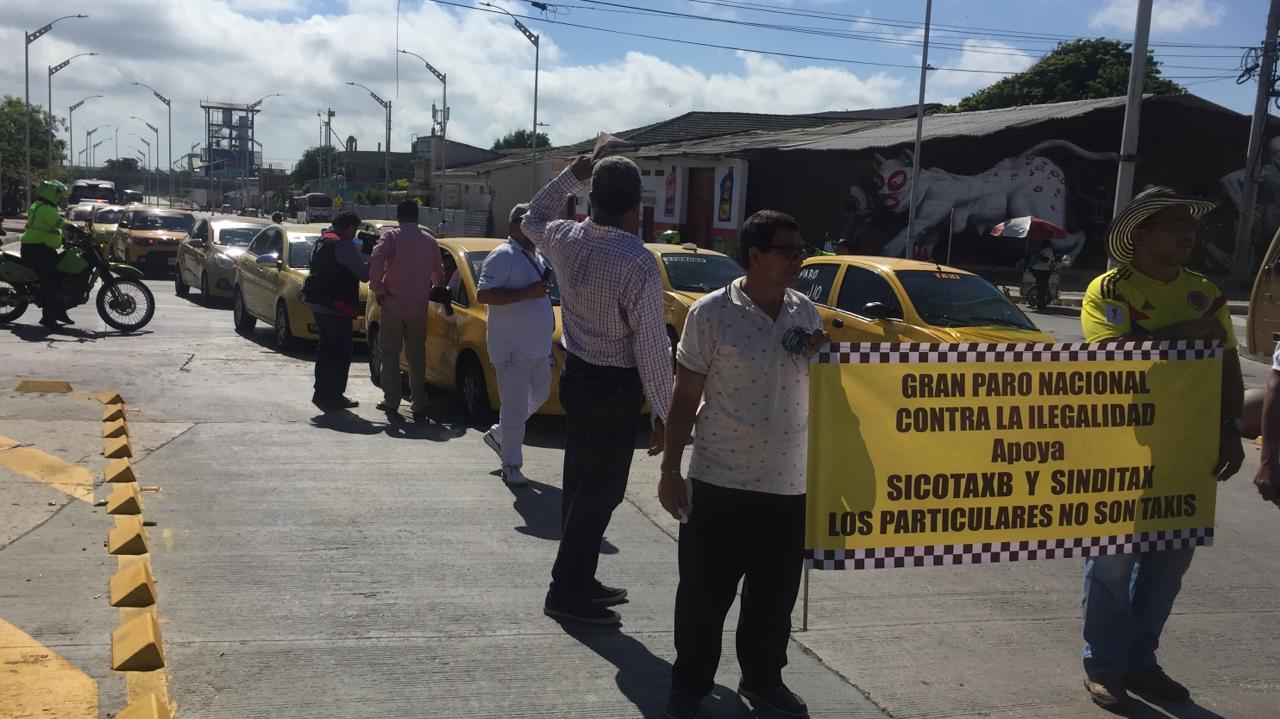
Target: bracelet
{"x": 669, "y": 472}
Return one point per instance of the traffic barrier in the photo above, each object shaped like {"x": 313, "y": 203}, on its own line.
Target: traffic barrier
{"x": 119, "y": 471}
{"x": 124, "y": 499}
{"x": 115, "y": 429}
{"x": 127, "y": 537}
{"x": 41, "y": 385}
{"x": 148, "y": 706}
{"x": 117, "y": 447}
{"x": 110, "y": 398}
{"x": 113, "y": 412}
{"x": 136, "y": 647}
{"x": 133, "y": 586}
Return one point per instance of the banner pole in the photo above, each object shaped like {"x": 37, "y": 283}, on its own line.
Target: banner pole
{"x": 804, "y": 612}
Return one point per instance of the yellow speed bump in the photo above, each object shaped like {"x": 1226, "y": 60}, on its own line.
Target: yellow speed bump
{"x": 113, "y": 412}
{"x": 119, "y": 471}
{"x": 110, "y": 398}
{"x": 124, "y": 499}
{"x": 41, "y": 385}
{"x": 127, "y": 537}
{"x": 135, "y": 645}
{"x": 133, "y": 586}
{"x": 117, "y": 447}
{"x": 115, "y": 429}
{"x": 148, "y": 706}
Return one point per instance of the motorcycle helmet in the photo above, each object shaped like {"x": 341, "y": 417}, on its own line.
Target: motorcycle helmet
{"x": 52, "y": 192}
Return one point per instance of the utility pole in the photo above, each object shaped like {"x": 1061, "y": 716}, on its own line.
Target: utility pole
{"x": 31, "y": 37}
{"x": 534, "y": 38}
{"x": 1133, "y": 107}
{"x": 1253, "y": 165}
{"x": 915, "y": 159}
{"x": 386, "y": 171}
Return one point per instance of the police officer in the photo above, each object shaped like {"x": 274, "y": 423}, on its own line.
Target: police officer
{"x": 40, "y": 243}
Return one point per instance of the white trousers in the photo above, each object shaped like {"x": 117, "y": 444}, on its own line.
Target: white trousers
{"x": 523, "y": 385}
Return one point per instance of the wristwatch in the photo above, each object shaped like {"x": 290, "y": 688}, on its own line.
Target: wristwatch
{"x": 1235, "y": 423}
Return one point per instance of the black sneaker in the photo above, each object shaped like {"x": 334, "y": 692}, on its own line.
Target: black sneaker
{"x": 1107, "y": 691}
{"x": 50, "y": 323}
{"x": 608, "y": 596}
{"x": 393, "y": 415}
{"x": 64, "y": 319}
{"x": 342, "y": 402}
{"x": 779, "y": 700}
{"x": 420, "y": 415}
{"x": 321, "y": 403}
{"x": 682, "y": 705}
{"x": 1153, "y": 683}
{"x": 586, "y": 611}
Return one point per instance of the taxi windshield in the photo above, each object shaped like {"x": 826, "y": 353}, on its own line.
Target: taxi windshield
{"x": 107, "y": 217}
{"x": 169, "y": 223}
{"x": 79, "y": 213}
{"x": 238, "y": 236}
{"x": 951, "y": 299}
{"x": 300, "y": 250}
{"x": 689, "y": 272}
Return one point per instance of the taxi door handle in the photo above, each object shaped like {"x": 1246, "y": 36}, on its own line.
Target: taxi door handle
{"x": 837, "y": 323}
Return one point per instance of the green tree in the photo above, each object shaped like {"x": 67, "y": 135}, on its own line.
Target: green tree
{"x": 400, "y": 185}
{"x": 308, "y": 168}
{"x": 122, "y": 164}
{"x": 13, "y": 153}
{"x": 519, "y": 140}
{"x": 1074, "y": 70}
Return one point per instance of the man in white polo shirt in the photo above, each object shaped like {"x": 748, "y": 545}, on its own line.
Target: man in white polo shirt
{"x": 514, "y": 283}
{"x": 745, "y": 350}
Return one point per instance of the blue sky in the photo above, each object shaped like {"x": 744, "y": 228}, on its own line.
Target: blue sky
{"x": 590, "y": 80}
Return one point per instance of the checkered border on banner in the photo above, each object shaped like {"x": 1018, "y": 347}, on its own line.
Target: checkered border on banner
{"x": 991, "y": 552}
{"x": 901, "y": 352}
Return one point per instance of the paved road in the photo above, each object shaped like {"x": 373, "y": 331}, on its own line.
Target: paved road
{"x": 313, "y": 568}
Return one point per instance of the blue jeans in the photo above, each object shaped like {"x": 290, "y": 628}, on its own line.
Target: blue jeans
{"x": 1127, "y": 599}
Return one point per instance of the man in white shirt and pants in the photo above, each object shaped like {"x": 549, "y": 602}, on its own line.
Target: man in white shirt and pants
{"x": 513, "y": 284}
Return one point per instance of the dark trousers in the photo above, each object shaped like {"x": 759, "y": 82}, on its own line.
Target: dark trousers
{"x": 333, "y": 357}
{"x": 732, "y": 534}
{"x": 1042, "y": 284}
{"x": 44, "y": 261}
{"x": 602, "y": 409}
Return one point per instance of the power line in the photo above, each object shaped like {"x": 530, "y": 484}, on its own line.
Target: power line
{"x": 696, "y": 43}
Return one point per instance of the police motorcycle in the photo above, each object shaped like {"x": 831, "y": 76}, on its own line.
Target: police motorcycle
{"x": 124, "y": 303}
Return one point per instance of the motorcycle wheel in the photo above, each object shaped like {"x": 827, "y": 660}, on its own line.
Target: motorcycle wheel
{"x": 126, "y": 304}
{"x": 11, "y": 308}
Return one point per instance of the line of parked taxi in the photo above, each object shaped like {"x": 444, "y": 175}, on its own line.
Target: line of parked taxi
{"x": 260, "y": 267}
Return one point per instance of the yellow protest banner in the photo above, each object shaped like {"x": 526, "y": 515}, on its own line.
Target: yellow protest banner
{"x": 931, "y": 455}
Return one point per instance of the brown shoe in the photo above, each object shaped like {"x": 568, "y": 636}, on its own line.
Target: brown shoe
{"x": 1153, "y": 683}
{"x": 1107, "y": 691}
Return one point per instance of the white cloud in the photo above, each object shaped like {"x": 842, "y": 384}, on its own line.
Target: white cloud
{"x": 983, "y": 56}
{"x": 207, "y": 50}
{"x": 1166, "y": 15}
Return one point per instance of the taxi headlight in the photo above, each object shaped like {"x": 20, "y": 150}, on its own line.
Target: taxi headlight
{"x": 223, "y": 261}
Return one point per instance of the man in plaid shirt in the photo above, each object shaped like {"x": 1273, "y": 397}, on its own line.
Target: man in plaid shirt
{"x": 618, "y": 356}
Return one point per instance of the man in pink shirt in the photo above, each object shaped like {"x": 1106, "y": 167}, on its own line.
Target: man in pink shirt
{"x": 404, "y": 267}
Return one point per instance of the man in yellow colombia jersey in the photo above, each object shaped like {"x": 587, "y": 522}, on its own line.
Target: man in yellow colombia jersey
{"x": 1150, "y": 295}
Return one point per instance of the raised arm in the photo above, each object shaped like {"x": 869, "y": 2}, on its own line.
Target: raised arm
{"x": 545, "y": 206}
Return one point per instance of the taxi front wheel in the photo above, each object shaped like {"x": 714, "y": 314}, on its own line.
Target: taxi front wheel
{"x": 472, "y": 390}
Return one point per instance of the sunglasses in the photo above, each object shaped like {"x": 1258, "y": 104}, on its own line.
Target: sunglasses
{"x": 791, "y": 252}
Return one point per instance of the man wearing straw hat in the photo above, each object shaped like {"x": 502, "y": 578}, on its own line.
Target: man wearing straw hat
{"x": 1151, "y": 295}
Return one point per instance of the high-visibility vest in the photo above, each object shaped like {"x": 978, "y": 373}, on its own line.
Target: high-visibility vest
{"x": 44, "y": 226}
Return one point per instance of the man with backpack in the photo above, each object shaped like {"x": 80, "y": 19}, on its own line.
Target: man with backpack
{"x": 332, "y": 292}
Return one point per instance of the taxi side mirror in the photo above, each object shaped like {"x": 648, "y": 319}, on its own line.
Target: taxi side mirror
{"x": 876, "y": 311}
{"x": 268, "y": 259}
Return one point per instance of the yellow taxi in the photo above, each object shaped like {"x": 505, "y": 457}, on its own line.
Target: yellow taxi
{"x": 78, "y": 215}
{"x": 886, "y": 299}
{"x": 268, "y": 281}
{"x": 457, "y": 357}
{"x": 102, "y": 222}
{"x": 688, "y": 273}
{"x": 148, "y": 237}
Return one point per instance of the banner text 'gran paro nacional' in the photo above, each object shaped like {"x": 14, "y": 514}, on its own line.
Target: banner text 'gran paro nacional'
{"x": 929, "y": 455}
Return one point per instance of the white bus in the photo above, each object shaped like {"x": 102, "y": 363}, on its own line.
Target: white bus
{"x": 318, "y": 207}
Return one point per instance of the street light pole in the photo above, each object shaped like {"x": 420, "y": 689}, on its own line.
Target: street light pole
{"x": 71, "y": 128}
{"x": 53, "y": 71}
{"x": 31, "y": 37}
{"x": 169, "y": 107}
{"x": 537, "y": 51}
{"x": 386, "y": 170}
{"x": 443, "y": 120}
{"x": 88, "y": 137}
